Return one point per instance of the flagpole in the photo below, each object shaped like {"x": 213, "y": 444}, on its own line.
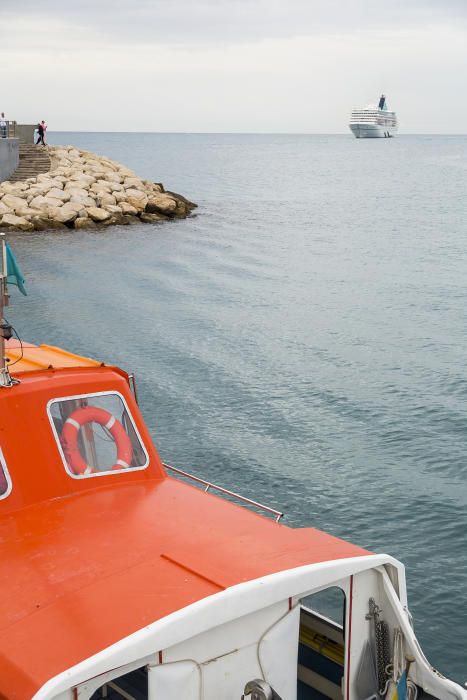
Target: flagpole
{"x": 3, "y": 291}
{"x": 5, "y": 379}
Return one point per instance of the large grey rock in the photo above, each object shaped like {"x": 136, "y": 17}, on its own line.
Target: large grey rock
{"x": 84, "y": 222}
{"x": 113, "y": 176}
{"x": 181, "y": 210}
{"x": 113, "y": 219}
{"x": 113, "y": 208}
{"x": 13, "y": 187}
{"x": 73, "y": 189}
{"x": 13, "y": 202}
{"x": 180, "y": 198}
{"x": 133, "y": 183}
{"x": 62, "y": 214}
{"x": 98, "y": 215}
{"x": 104, "y": 198}
{"x": 57, "y": 181}
{"x": 42, "y": 202}
{"x": 17, "y": 222}
{"x": 43, "y": 223}
{"x": 27, "y": 212}
{"x": 59, "y": 194}
{"x": 161, "y": 203}
{"x": 117, "y": 219}
{"x": 82, "y": 179}
{"x": 40, "y": 188}
{"x": 128, "y": 208}
{"x": 75, "y": 206}
{"x": 98, "y": 173}
{"x": 100, "y": 187}
{"x": 85, "y": 200}
{"x": 110, "y": 165}
{"x": 137, "y": 199}
{"x": 151, "y": 218}
{"x": 130, "y": 220}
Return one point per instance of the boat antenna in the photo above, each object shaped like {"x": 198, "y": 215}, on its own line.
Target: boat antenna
{"x": 6, "y": 331}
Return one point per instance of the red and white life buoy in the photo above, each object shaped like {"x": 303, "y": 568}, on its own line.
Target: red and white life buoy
{"x": 93, "y": 414}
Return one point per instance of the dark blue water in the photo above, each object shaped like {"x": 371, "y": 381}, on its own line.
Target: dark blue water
{"x": 302, "y": 340}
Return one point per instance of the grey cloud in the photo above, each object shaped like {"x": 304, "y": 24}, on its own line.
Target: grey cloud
{"x": 222, "y": 21}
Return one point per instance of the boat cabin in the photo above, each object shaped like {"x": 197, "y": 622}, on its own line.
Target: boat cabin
{"x": 122, "y": 578}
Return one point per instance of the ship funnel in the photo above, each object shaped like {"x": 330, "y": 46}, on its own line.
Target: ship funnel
{"x": 382, "y": 102}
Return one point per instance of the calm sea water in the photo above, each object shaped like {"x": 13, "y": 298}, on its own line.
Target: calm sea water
{"x": 301, "y": 340}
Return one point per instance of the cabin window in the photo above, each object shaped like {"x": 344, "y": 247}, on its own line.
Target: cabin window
{"x": 328, "y": 603}
{"x": 5, "y": 481}
{"x": 96, "y": 435}
{"x": 321, "y": 645}
{"x": 131, "y": 686}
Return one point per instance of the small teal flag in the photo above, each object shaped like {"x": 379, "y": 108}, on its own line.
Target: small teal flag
{"x": 13, "y": 271}
{"x": 402, "y": 686}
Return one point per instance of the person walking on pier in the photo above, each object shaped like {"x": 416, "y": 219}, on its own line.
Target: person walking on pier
{"x": 41, "y": 128}
{"x": 3, "y": 126}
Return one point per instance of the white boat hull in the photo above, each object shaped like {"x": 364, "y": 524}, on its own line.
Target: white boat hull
{"x": 215, "y": 647}
{"x": 372, "y": 131}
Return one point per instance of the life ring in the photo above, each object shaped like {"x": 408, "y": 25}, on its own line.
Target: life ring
{"x": 93, "y": 414}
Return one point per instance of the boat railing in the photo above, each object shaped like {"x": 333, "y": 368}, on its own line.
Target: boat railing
{"x": 208, "y": 486}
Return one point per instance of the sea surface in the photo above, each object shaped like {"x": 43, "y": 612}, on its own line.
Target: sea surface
{"x": 301, "y": 340}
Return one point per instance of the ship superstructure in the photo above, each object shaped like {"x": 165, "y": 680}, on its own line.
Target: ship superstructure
{"x": 373, "y": 121}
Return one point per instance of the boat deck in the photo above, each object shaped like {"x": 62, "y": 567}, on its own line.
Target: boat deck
{"x": 27, "y": 357}
{"x": 97, "y": 566}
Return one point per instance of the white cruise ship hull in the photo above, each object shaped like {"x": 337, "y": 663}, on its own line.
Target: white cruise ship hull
{"x": 373, "y": 121}
{"x": 372, "y": 131}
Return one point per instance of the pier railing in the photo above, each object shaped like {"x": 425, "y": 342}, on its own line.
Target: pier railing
{"x": 208, "y": 486}
{"x": 8, "y": 131}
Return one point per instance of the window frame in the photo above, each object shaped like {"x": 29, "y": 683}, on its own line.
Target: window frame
{"x": 321, "y": 615}
{"x": 110, "y": 472}
{"x": 4, "y": 468}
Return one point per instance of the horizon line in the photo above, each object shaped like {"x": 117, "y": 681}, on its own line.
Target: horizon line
{"x": 248, "y": 133}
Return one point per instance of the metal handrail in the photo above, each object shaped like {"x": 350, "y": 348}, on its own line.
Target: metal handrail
{"x": 132, "y": 384}
{"x": 8, "y": 131}
{"x": 208, "y": 485}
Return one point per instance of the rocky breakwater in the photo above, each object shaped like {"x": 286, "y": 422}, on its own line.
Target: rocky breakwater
{"x": 83, "y": 190}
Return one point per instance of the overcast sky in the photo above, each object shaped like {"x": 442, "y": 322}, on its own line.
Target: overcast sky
{"x": 232, "y": 65}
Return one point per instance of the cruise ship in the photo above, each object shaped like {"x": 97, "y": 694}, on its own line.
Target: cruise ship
{"x": 373, "y": 121}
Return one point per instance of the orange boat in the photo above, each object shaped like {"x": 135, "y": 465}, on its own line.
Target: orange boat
{"x": 122, "y": 578}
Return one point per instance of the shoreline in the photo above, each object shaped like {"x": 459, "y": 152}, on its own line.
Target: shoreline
{"x": 82, "y": 190}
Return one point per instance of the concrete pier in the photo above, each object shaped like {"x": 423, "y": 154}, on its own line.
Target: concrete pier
{"x": 9, "y": 157}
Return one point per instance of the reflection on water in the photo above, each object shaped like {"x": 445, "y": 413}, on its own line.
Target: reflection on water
{"x": 301, "y": 340}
